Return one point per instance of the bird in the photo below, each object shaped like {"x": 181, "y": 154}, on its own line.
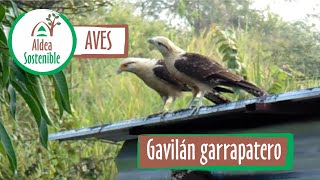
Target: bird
{"x": 199, "y": 72}
{"x": 156, "y": 76}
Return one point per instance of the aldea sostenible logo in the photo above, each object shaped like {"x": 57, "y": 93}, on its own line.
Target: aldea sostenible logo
{"x": 42, "y": 41}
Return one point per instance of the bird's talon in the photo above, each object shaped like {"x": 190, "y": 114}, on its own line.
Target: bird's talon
{"x": 162, "y": 117}
{"x": 195, "y": 111}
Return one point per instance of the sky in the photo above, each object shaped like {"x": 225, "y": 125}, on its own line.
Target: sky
{"x": 291, "y": 11}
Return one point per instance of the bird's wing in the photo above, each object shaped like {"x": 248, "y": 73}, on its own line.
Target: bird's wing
{"x": 203, "y": 69}
{"x": 210, "y": 72}
{"x": 162, "y": 73}
{"x": 216, "y": 98}
{"x": 220, "y": 89}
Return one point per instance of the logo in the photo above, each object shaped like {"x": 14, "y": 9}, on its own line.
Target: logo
{"x": 102, "y": 41}
{"x": 268, "y": 151}
{"x": 42, "y": 42}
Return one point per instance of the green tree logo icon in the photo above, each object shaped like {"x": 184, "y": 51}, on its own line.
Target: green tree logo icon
{"x": 51, "y": 23}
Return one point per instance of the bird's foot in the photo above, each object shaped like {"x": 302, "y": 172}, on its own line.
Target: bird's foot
{"x": 195, "y": 106}
{"x": 195, "y": 110}
{"x": 166, "y": 109}
{"x": 162, "y": 116}
{"x": 195, "y": 102}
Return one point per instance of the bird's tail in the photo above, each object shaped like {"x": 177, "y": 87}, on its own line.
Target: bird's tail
{"x": 251, "y": 88}
{"x": 216, "y": 98}
{"x": 220, "y": 89}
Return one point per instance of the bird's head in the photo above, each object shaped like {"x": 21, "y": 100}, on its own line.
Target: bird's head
{"x": 133, "y": 65}
{"x": 164, "y": 45}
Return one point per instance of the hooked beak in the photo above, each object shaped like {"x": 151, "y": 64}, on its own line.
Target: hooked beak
{"x": 151, "y": 41}
{"x": 119, "y": 71}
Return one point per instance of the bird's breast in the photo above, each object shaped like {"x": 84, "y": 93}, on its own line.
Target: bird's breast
{"x": 161, "y": 87}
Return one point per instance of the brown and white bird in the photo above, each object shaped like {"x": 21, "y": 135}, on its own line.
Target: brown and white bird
{"x": 199, "y": 72}
{"x": 156, "y": 76}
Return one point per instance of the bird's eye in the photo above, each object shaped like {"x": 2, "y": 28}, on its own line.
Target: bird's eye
{"x": 160, "y": 44}
{"x": 127, "y": 64}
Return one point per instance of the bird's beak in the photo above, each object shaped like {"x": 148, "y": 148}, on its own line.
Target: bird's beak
{"x": 151, "y": 41}
{"x": 119, "y": 71}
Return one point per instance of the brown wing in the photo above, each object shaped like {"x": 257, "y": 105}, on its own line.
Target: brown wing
{"x": 210, "y": 72}
{"x": 162, "y": 73}
{"x": 216, "y": 98}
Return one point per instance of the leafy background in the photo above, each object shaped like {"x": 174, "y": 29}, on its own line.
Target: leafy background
{"x": 277, "y": 55}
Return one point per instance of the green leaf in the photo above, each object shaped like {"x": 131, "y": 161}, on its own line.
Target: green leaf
{"x": 61, "y": 86}
{"x": 3, "y": 47}
{"x": 31, "y": 102}
{"x": 35, "y": 89}
{"x": 43, "y": 132}
{"x": 5, "y": 69}
{"x": 7, "y": 145}
{"x": 229, "y": 52}
{"x": 20, "y": 74}
{"x": 12, "y": 102}
{"x": 10, "y": 19}
{"x": 59, "y": 101}
{"x": 3, "y": 37}
{"x": 15, "y": 8}
{"x": 2, "y": 150}
{"x": 58, "y": 23}
{"x": 2, "y": 12}
{"x": 36, "y": 111}
{"x": 221, "y": 40}
{"x": 226, "y": 58}
{"x": 222, "y": 48}
{"x": 282, "y": 76}
{"x": 275, "y": 88}
{"x": 232, "y": 64}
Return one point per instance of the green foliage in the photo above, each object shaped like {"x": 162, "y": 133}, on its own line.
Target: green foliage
{"x": 16, "y": 81}
{"x": 288, "y": 43}
{"x": 62, "y": 92}
{"x": 140, "y": 29}
{"x": 228, "y": 49}
{"x": 6, "y": 146}
{"x": 280, "y": 78}
{"x": 202, "y": 14}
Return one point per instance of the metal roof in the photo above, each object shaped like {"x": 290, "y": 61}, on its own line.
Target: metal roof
{"x": 255, "y": 112}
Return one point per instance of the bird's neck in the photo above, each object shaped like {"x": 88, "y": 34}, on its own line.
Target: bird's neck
{"x": 173, "y": 53}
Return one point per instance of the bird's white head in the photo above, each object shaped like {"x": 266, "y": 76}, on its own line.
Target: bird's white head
{"x": 165, "y": 46}
{"x": 134, "y": 65}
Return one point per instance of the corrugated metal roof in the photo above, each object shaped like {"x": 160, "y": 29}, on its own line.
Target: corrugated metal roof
{"x": 289, "y": 106}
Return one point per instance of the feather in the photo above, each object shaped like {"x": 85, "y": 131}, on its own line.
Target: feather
{"x": 162, "y": 73}
{"x": 209, "y": 72}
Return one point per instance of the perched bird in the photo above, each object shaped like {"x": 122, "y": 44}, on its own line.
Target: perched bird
{"x": 155, "y": 75}
{"x": 199, "y": 72}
